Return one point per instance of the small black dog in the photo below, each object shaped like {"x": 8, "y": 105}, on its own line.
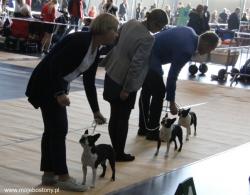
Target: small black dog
{"x": 186, "y": 119}
{"x": 93, "y": 155}
{"x": 168, "y": 133}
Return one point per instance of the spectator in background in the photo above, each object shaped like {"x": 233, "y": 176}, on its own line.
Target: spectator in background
{"x": 75, "y": 9}
{"x": 63, "y": 6}
{"x": 48, "y": 15}
{"x": 206, "y": 18}
{"x": 17, "y": 8}
{"x": 110, "y": 8}
{"x": 92, "y": 12}
{"x": 28, "y": 2}
{"x": 101, "y": 7}
{"x": 143, "y": 13}
{"x": 22, "y": 9}
{"x": 123, "y": 10}
{"x": 25, "y": 11}
{"x": 244, "y": 17}
{"x": 223, "y": 16}
{"x": 234, "y": 20}
{"x": 168, "y": 11}
{"x": 4, "y": 5}
{"x": 152, "y": 7}
{"x": 138, "y": 11}
{"x": 214, "y": 17}
{"x": 84, "y": 8}
{"x": 183, "y": 13}
{"x": 196, "y": 20}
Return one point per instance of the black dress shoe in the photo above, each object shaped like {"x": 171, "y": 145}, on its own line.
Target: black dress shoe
{"x": 125, "y": 158}
{"x": 142, "y": 132}
{"x": 153, "y": 135}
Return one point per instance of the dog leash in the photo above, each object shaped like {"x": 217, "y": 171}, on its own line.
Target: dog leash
{"x": 94, "y": 124}
{"x": 144, "y": 118}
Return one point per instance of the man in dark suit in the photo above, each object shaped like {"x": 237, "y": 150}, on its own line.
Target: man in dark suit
{"x": 48, "y": 87}
{"x": 234, "y": 20}
{"x": 109, "y": 7}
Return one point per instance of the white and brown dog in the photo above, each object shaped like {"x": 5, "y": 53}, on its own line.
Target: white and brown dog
{"x": 93, "y": 155}
{"x": 187, "y": 119}
{"x": 168, "y": 133}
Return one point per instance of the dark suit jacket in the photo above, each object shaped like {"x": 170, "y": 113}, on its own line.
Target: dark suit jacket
{"x": 196, "y": 22}
{"x": 47, "y": 78}
{"x": 233, "y": 22}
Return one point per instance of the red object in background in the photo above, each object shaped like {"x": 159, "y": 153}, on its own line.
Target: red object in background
{"x": 20, "y": 28}
{"x": 47, "y": 14}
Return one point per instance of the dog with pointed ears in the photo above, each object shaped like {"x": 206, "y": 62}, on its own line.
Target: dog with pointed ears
{"x": 187, "y": 119}
{"x": 168, "y": 133}
{"x": 93, "y": 155}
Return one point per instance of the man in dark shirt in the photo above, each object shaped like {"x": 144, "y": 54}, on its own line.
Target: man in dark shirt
{"x": 206, "y": 18}
{"x": 110, "y": 8}
{"x": 196, "y": 20}
{"x": 223, "y": 16}
{"x": 175, "y": 46}
{"x": 234, "y": 20}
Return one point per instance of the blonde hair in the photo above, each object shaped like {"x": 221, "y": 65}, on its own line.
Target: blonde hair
{"x": 103, "y": 23}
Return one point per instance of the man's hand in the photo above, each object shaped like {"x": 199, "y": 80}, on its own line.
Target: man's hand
{"x": 173, "y": 108}
{"x": 124, "y": 95}
{"x": 63, "y": 100}
{"x": 99, "y": 118}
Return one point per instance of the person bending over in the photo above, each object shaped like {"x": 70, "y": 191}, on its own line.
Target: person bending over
{"x": 48, "y": 89}
{"x": 126, "y": 66}
{"x": 175, "y": 46}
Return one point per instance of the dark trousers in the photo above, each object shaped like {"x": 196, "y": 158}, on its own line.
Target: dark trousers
{"x": 151, "y": 101}
{"x": 53, "y": 145}
{"x": 119, "y": 114}
{"x": 118, "y": 126}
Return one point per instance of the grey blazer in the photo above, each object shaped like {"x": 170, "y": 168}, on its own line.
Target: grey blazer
{"x": 127, "y": 63}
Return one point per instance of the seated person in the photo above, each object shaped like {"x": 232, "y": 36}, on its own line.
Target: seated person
{"x": 22, "y": 9}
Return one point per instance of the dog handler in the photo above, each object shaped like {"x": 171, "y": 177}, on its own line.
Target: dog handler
{"x": 48, "y": 87}
{"x": 175, "y": 46}
{"x": 127, "y": 66}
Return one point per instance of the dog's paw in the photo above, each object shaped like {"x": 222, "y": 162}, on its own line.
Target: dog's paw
{"x": 166, "y": 155}
{"x": 83, "y": 183}
{"x": 112, "y": 179}
{"x": 179, "y": 150}
{"x": 187, "y": 139}
{"x": 156, "y": 153}
{"x": 102, "y": 175}
{"x": 194, "y": 133}
{"x": 92, "y": 186}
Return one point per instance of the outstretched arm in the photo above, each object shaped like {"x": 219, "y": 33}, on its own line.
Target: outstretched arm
{"x": 177, "y": 64}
